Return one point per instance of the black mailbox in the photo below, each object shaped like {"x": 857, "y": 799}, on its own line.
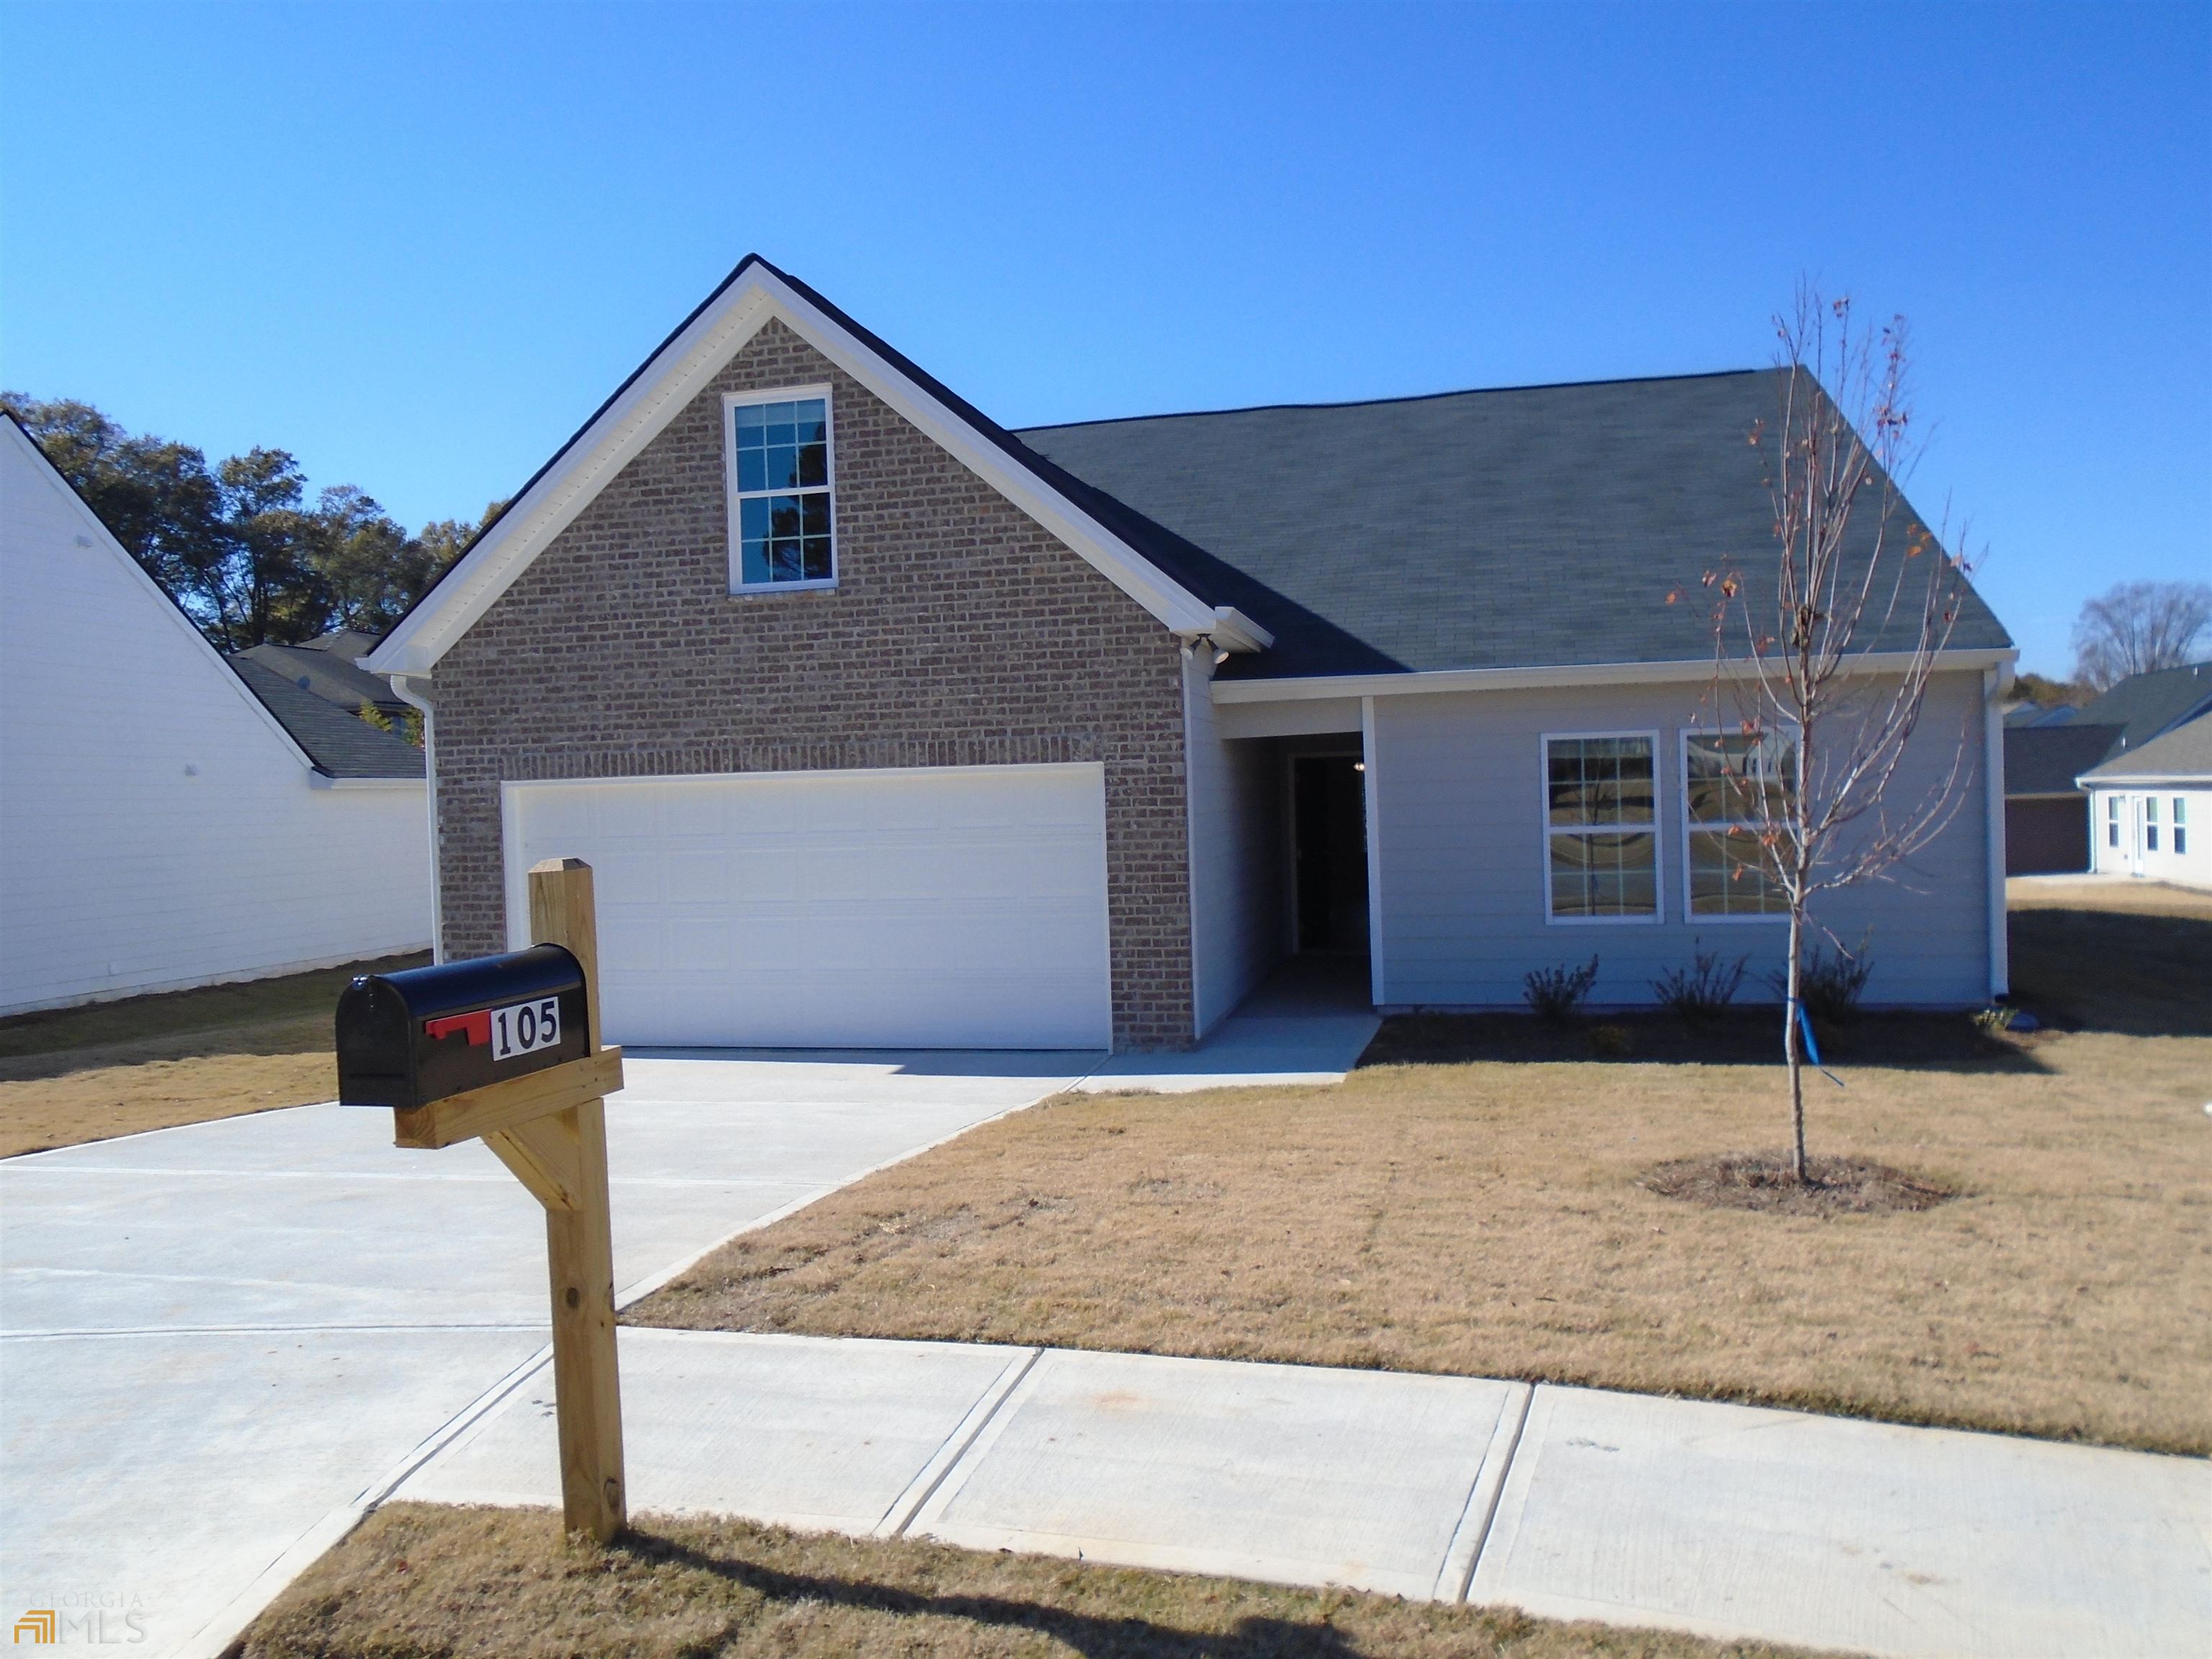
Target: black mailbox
{"x": 408, "y": 1038}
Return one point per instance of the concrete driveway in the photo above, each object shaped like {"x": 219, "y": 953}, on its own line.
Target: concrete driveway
{"x": 217, "y": 1342}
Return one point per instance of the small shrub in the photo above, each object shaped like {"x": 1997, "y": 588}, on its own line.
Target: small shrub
{"x": 1612, "y": 1040}
{"x": 1557, "y": 994}
{"x": 1829, "y": 986}
{"x": 370, "y": 715}
{"x": 1702, "y": 992}
{"x": 1995, "y": 1018}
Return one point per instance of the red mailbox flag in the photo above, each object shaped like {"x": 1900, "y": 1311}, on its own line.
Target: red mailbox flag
{"x": 476, "y": 1027}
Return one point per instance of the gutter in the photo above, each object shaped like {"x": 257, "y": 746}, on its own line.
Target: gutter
{"x": 1232, "y": 630}
{"x": 415, "y": 691}
{"x": 2145, "y": 780}
{"x": 1412, "y": 682}
{"x": 321, "y": 780}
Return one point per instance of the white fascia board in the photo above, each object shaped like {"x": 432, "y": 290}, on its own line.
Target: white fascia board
{"x": 1578, "y": 674}
{"x": 324, "y": 780}
{"x": 1235, "y": 631}
{"x": 678, "y": 375}
{"x": 2144, "y": 780}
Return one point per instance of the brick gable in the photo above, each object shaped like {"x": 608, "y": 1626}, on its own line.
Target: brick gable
{"x": 961, "y": 633}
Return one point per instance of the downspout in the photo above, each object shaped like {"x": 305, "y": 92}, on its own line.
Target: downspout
{"x": 1996, "y": 682}
{"x": 413, "y": 690}
{"x": 1371, "y": 776}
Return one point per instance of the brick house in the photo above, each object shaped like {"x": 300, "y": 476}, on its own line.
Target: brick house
{"x": 884, "y": 725}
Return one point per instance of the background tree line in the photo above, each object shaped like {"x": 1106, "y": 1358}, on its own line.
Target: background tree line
{"x": 2132, "y": 628}
{"x": 238, "y": 544}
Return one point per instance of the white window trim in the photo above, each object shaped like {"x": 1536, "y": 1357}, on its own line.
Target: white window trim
{"x": 1545, "y": 832}
{"x": 1690, "y": 915}
{"x": 733, "y": 401}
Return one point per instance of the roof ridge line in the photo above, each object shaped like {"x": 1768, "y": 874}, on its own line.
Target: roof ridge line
{"x": 1407, "y": 397}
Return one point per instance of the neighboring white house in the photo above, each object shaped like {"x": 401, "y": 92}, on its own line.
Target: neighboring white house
{"x": 2150, "y": 810}
{"x": 160, "y": 825}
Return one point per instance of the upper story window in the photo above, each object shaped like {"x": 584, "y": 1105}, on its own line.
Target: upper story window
{"x": 778, "y": 465}
{"x": 1733, "y": 785}
{"x": 1601, "y": 828}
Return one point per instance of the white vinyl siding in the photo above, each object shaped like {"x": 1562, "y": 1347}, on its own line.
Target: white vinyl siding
{"x": 2147, "y": 832}
{"x": 157, "y": 828}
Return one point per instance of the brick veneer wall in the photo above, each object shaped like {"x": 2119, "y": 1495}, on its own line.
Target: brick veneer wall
{"x": 961, "y": 633}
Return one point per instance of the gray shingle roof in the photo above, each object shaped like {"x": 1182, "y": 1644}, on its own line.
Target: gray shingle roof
{"x": 1533, "y": 526}
{"x": 342, "y": 745}
{"x": 2044, "y": 760}
{"x": 2183, "y": 752}
{"x": 2144, "y": 705}
{"x": 334, "y": 678}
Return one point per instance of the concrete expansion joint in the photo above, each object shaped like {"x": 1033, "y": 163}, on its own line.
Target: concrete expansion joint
{"x": 959, "y": 1443}
{"x": 1471, "y": 1536}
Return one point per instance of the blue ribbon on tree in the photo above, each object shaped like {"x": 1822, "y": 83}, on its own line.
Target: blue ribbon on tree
{"x": 1811, "y": 1047}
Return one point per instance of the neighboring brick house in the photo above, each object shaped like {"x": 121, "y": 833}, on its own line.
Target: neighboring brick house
{"x": 886, "y": 726}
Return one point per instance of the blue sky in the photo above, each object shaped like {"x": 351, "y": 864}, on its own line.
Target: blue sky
{"x": 416, "y": 245}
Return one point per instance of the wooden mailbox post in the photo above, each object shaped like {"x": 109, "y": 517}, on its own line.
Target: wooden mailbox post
{"x": 549, "y": 1128}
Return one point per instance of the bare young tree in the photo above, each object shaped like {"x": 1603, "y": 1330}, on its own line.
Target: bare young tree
{"x": 1824, "y": 657}
{"x": 2139, "y": 628}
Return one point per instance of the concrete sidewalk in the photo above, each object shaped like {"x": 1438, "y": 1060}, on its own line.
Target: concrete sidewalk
{"x": 1572, "y": 1503}
{"x": 1308, "y": 1024}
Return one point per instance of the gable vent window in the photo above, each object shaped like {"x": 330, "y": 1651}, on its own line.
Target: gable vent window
{"x": 781, "y": 534}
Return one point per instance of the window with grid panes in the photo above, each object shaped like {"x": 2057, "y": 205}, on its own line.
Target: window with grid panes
{"x": 1601, "y": 828}
{"x": 780, "y": 473}
{"x": 1733, "y": 784}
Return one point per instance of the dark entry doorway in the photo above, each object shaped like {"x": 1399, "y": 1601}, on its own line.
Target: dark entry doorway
{"x": 1328, "y": 819}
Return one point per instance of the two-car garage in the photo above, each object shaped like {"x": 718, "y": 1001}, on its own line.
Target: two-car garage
{"x": 942, "y": 907}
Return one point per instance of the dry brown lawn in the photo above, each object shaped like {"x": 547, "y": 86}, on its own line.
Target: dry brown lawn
{"x": 2116, "y": 956}
{"x": 418, "y": 1580}
{"x": 1489, "y": 1218}
{"x": 116, "y": 1068}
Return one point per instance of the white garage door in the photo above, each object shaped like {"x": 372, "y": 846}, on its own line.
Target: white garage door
{"x": 942, "y": 907}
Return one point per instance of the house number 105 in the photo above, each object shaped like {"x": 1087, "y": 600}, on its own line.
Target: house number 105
{"x": 525, "y": 1028}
